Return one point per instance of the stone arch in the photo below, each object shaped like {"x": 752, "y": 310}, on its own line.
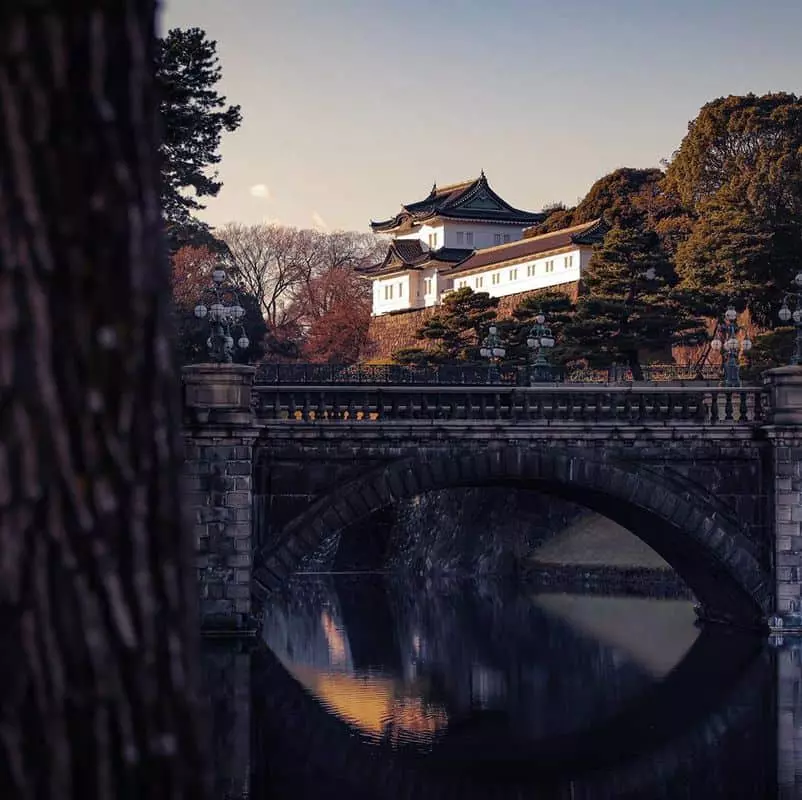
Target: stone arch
{"x": 716, "y": 559}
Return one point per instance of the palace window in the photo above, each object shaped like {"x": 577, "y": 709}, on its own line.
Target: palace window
{"x": 569, "y": 262}
{"x": 427, "y": 285}
{"x": 496, "y": 278}
{"x": 469, "y": 238}
{"x": 400, "y": 289}
{"x": 506, "y": 238}
{"x": 530, "y": 270}
{"x": 460, "y": 238}
{"x": 550, "y": 265}
{"x": 433, "y": 241}
{"x": 388, "y": 292}
{"x": 496, "y": 238}
{"x": 480, "y": 282}
{"x": 462, "y": 284}
{"x": 513, "y": 274}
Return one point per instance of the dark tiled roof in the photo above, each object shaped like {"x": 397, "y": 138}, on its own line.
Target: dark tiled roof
{"x": 469, "y": 200}
{"x": 589, "y": 233}
{"x": 406, "y": 254}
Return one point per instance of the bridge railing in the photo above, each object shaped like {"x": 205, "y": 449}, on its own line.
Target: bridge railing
{"x": 589, "y": 403}
{"x": 463, "y": 374}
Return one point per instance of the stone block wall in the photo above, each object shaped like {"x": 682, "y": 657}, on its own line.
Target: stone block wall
{"x": 391, "y": 332}
{"x": 219, "y": 436}
{"x": 219, "y": 493}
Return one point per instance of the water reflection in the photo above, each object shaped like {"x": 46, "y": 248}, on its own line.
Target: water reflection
{"x": 377, "y": 688}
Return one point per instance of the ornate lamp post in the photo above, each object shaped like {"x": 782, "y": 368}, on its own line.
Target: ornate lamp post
{"x": 728, "y": 341}
{"x": 785, "y": 314}
{"x": 493, "y": 350}
{"x": 540, "y": 342}
{"x": 225, "y": 316}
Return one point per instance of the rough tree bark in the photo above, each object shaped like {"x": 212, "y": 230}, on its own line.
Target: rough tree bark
{"x": 97, "y": 644}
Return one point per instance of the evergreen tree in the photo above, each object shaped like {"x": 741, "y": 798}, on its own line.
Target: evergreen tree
{"x": 738, "y": 171}
{"x": 558, "y": 308}
{"x": 194, "y": 115}
{"x": 628, "y": 308}
{"x": 457, "y": 329}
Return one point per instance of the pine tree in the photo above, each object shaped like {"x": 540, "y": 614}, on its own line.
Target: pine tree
{"x": 457, "y": 329}
{"x": 629, "y": 308}
{"x": 194, "y": 116}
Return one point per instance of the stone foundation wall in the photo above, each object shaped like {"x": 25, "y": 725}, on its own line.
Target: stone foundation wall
{"x": 391, "y": 332}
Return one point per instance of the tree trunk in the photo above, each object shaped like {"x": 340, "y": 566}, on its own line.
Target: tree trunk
{"x": 98, "y": 658}
{"x": 634, "y": 365}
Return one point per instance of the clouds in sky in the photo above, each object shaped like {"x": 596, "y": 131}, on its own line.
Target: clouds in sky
{"x": 261, "y": 191}
{"x": 318, "y": 223}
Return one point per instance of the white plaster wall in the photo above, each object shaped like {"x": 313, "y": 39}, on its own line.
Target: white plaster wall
{"x": 521, "y": 281}
{"x": 423, "y": 234}
{"x": 483, "y": 233}
{"x": 413, "y": 294}
{"x": 400, "y": 299}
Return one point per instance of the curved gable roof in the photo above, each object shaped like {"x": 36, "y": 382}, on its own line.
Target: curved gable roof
{"x": 469, "y": 200}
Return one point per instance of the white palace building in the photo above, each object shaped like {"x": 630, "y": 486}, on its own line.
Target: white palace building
{"x": 466, "y": 235}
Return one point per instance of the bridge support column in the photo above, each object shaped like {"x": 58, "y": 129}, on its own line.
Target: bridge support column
{"x": 219, "y": 433}
{"x": 785, "y": 433}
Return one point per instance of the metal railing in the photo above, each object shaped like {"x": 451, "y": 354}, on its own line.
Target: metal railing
{"x": 699, "y": 404}
{"x": 463, "y": 375}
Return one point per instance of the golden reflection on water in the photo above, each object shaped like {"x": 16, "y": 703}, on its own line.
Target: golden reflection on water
{"x": 381, "y": 707}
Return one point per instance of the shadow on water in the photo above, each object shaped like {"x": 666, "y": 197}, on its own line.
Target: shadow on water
{"x": 371, "y": 688}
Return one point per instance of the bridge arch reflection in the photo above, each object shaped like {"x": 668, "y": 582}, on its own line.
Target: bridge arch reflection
{"x": 716, "y": 698}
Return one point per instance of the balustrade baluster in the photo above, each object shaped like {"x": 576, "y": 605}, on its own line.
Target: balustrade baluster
{"x": 394, "y": 406}
{"x": 728, "y": 406}
{"x": 684, "y": 409}
{"x": 714, "y": 415}
{"x": 628, "y": 406}
{"x": 497, "y": 406}
{"x": 642, "y": 408}
{"x": 291, "y": 407}
{"x": 743, "y": 410}
{"x": 540, "y": 411}
{"x": 757, "y": 402}
{"x": 527, "y": 405}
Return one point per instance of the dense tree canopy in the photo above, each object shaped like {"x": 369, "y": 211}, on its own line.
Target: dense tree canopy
{"x": 628, "y": 309}
{"x": 738, "y": 172}
{"x": 194, "y": 116}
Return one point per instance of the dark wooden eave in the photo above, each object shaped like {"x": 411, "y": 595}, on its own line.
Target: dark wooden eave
{"x": 411, "y": 254}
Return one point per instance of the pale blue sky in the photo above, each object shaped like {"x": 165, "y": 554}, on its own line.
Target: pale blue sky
{"x": 351, "y": 107}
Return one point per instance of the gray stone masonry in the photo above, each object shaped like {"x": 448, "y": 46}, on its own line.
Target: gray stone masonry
{"x": 219, "y": 437}
{"x": 785, "y": 434}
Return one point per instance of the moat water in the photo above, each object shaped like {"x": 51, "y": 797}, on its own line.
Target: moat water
{"x": 368, "y": 686}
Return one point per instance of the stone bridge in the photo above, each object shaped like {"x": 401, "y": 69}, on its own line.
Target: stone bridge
{"x": 709, "y": 477}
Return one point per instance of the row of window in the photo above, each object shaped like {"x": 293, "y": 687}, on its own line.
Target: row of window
{"x": 465, "y": 239}
{"x": 512, "y": 274}
{"x": 479, "y": 280}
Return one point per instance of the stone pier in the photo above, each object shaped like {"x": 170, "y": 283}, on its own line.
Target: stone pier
{"x": 219, "y": 436}
{"x": 785, "y": 434}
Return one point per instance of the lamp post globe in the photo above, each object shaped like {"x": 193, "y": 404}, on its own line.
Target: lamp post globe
{"x": 794, "y": 298}
{"x": 221, "y": 305}
{"x": 540, "y": 341}
{"x": 493, "y": 350}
